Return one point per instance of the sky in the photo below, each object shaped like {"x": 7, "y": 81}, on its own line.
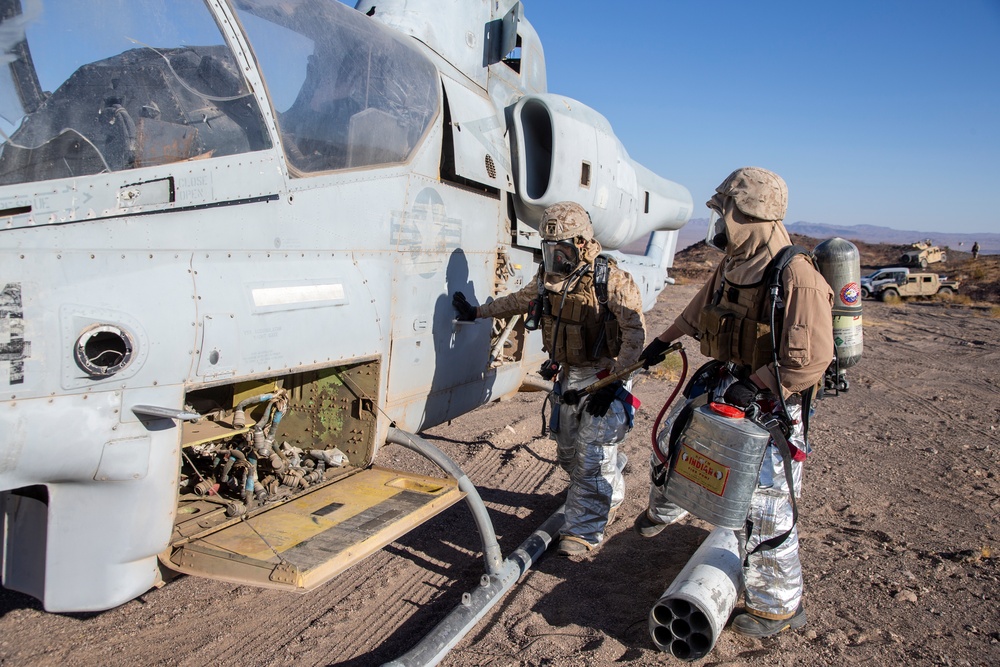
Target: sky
{"x": 875, "y": 112}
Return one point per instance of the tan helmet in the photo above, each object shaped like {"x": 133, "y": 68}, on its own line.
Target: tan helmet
{"x": 565, "y": 220}
{"x": 757, "y": 193}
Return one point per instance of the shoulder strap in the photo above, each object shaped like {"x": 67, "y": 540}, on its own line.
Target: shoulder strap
{"x": 778, "y": 263}
{"x": 601, "y": 272}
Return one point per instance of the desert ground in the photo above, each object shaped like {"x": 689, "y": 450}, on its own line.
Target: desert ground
{"x": 898, "y": 526}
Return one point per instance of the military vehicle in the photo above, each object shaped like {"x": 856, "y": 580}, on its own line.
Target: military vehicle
{"x": 915, "y": 284}
{"x": 229, "y": 235}
{"x": 923, "y": 253}
{"x": 871, "y": 283}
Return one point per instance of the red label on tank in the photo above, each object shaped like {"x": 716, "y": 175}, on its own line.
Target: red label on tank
{"x": 850, "y": 294}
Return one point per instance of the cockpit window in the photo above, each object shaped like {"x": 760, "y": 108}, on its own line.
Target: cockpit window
{"x": 347, "y": 92}
{"x": 93, "y": 86}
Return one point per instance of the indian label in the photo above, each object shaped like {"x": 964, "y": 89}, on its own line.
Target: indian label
{"x": 703, "y": 471}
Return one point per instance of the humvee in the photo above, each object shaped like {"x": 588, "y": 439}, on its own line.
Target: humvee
{"x": 923, "y": 253}
{"x": 874, "y": 281}
{"x": 916, "y": 284}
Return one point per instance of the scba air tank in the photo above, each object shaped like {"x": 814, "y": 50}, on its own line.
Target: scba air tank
{"x": 840, "y": 263}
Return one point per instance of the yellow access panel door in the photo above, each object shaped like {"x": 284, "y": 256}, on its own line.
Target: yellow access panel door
{"x": 305, "y": 542}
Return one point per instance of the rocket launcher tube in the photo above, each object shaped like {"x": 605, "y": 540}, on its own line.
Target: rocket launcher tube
{"x": 691, "y": 613}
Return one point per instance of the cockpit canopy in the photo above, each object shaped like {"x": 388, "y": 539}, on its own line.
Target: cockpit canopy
{"x": 347, "y": 91}
{"x": 104, "y": 86}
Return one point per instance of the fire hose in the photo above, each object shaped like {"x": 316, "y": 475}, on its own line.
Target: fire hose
{"x": 574, "y": 396}
{"x": 659, "y": 417}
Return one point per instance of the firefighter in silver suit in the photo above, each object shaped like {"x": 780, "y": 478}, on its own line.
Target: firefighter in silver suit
{"x": 590, "y": 315}
{"x": 732, "y": 317}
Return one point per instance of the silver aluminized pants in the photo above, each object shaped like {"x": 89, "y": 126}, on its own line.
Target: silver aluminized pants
{"x": 772, "y": 577}
{"x": 587, "y": 449}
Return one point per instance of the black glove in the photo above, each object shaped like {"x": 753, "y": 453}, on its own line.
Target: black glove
{"x": 600, "y": 400}
{"x": 570, "y": 397}
{"x": 654, "y": 353}
{"x": 466, "y": 311}
{"x": 741, "y": 394}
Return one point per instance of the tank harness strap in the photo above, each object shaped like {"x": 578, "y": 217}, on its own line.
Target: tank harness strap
{"x": 602, "y": 271}
{"x": 660, "y": 470}
{"x": 772, "y": 275}
{"x": 779, "y": 440}
{"x": 784, "y": 257}
{"x": 807, "y": 399}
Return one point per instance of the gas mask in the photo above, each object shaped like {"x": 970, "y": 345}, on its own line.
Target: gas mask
{"x": 560, "y": 257}
{"x": 716, "y": 236}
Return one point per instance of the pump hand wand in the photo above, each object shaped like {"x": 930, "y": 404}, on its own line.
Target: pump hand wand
{"x": 573, "y": 396}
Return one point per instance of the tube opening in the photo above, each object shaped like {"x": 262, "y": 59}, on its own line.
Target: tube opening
{"x": 680, "y": 649}
{"x": 662, "y": 637}
{"x": 680, "y": 628}
{"x": 680, "y": 608}
{"x": 699, "y": 622}
{"x": 662, "y": 615}
{"x": 700, "y": 644}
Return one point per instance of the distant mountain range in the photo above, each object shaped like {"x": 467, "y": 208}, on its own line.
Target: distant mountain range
{"x": 696, "y": 229}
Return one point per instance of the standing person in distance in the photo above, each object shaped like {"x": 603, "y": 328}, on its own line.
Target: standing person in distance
{"x": 591, "y": 319}
{"x": 730, "y": 316}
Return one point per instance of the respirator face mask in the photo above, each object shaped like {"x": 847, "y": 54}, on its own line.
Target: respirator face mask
{"x": 716, "y": 235}
{"x": 560, "y": 257}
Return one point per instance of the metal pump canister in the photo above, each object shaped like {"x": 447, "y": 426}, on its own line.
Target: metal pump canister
{"x": 716, "y": 461}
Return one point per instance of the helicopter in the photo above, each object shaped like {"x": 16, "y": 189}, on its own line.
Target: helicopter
{"x": 229, "y": 235}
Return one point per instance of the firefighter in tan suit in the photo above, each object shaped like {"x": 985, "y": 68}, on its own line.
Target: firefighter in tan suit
{"x": 728, "y": 316}
{"x": 591, "y": 321}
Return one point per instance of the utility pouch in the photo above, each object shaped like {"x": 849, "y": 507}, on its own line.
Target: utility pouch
{"x": 548, "y": 330}
{"x": 613, "y": 336}
{"x": 534, "y": 316}
{"x": 717, "y": 332}
{"x": 576, "y": 344}
{"x": 755, "y": 349}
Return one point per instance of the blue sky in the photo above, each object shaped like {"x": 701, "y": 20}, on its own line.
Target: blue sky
{"x": 881, "y": 112}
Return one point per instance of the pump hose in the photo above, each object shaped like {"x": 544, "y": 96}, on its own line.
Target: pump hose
{"x": 663, "y": 410}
